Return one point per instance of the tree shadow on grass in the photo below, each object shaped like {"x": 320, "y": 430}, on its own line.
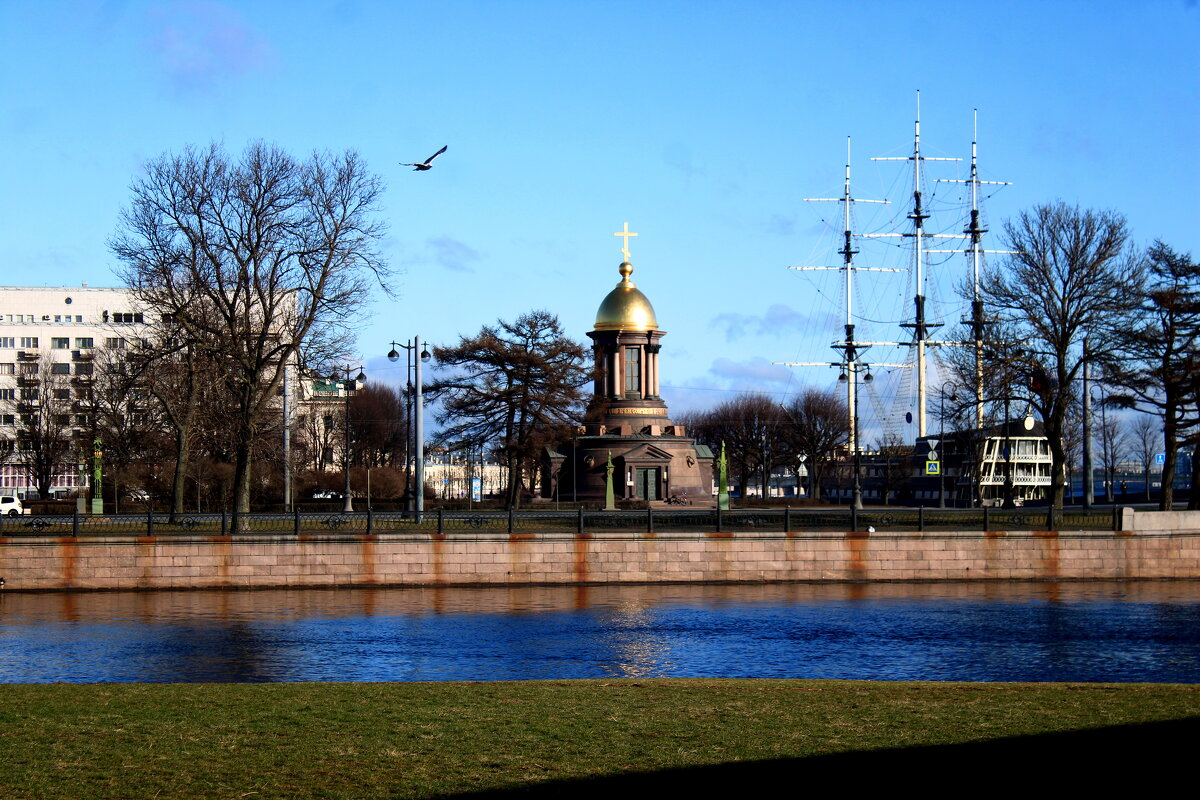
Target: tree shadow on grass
{"x": 1102, "y": 759}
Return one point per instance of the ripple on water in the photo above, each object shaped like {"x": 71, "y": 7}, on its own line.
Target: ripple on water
{"x": 1139, "y": 631}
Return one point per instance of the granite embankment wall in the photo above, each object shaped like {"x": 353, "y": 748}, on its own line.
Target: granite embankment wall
{"x": 1151, "y": 546}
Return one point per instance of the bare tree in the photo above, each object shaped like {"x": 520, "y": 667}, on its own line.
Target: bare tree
{"x": 753, "y": 429}
{"x": 1071, "y": 275}
{"x": 255, "y": 260}
{"x": 122, "y": 415}
{"x": 1114, "y": 449}
{"x": 1147, "y": 439}
{"x": 1160, "y": 368}
{"x": 178, "y": 374}
{"x": 41, "y": 409}
{"x": 513, "y": 383}
{"x": 892, "y": 463}
{"x": 818, "y": 425}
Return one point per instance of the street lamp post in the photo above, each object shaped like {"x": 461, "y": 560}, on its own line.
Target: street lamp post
{"x": 348, "y": 385}
{"x": 1106, "y": 456}
{"x": 422, "y": 355}
{"x": 942, "y": 443}
{"x": 852, "y": 376}
{"x": 1009, "y": 501}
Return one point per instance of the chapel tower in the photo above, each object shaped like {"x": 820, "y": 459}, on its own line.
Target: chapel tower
{"x": 653, "y": 459}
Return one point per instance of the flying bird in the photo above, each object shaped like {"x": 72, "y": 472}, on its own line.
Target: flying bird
{"x": 427, "y": 163}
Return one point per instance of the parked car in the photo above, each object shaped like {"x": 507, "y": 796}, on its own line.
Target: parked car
{"x": 11, "y": 505}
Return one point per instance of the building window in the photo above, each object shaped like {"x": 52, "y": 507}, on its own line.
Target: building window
{"x": 62, "y": 419}
{"x": 60, "y": 342}
{"x": 8, "y": 369}
{"x": 85, "y": 343}
{"x": 8, "y": 342}
{"x": 62, "y": 394}
{"x": 8, "y": 419}
{"x": 114, "y": 343}
{"x": 29, "y": 394}
{"x": 83, "y": 368}
{"x": 8, "y": 394}
{"x": 28, "y": 368}
{"x": 60, "y": 369}
{"x": 633, "y": 369}
{"x": 123, "y": 318}
{"x": 83, "y": 420}
{"x": 29, "y": 341}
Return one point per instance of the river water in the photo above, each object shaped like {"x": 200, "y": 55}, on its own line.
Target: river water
{"x": 1138, "y": 631}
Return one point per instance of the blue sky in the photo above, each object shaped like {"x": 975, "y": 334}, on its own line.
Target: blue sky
{"x": 702, "y": 124}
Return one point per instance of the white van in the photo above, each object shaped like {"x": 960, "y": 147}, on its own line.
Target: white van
{"x": 11, "y": 505}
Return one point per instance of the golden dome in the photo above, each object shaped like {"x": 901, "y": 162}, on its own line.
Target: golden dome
{"x": 626, "y": 308}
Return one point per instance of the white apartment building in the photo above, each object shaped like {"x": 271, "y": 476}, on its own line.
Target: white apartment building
{"x": 65, "y": 325}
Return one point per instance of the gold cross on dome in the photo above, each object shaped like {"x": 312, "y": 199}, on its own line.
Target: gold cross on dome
{"x": 625, "y": 234}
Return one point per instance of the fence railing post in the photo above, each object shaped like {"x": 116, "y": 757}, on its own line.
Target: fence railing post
{"x": 987, "y": 519}
{"x": 510, "y": 519}
{"x": 921, "y": 519}
{"x": 234, "y": 527}
{"x": 75, "y": 522}
{"x": 649, "y": 519}
{"x": 296, "y": 521}
{"x": 222, "y": 522}
{"x": 720, "y": 520}
{"x": 149, "y": 521}
{"x": 787, "y": 519}
{"x": 441, "y": 522}
{"x": 1116, "y": 520}
{"x": 371, "y": 519}
{"x": 579, "y": 521}
{"x": 853, "y": 519}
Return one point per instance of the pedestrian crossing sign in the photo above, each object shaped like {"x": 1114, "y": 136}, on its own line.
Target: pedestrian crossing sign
{"x": 933, "y": 468}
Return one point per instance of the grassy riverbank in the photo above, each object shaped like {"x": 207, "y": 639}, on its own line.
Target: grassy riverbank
{"x": 578, "y": 737}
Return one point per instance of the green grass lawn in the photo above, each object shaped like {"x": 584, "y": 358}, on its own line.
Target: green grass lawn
{"x": 306, "y": 740}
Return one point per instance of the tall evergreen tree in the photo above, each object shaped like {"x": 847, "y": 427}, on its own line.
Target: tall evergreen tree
{"x": 1159, "y": 369}
{"x": 512, "y": 384}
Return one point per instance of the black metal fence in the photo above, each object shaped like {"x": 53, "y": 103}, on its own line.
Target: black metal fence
{"x": 449, "y": 523}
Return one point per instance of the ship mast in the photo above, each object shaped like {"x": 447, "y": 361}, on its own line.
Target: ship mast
{"x": 920, "y": 324}
{"x": 850, "y": 348}
{"x": 975, "y": 251}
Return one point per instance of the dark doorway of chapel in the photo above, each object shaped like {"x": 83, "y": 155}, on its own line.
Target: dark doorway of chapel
{"x": 647, "y": 483}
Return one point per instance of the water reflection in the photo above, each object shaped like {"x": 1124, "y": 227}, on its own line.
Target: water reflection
{"x": 1090, "y": 632}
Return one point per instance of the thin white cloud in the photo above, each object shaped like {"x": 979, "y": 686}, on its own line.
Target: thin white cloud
{"x": 446, "y": 252}
{"x": 778, "y": 320}
{"x": 749, "y": 374}
{"x": 203, "y": 44}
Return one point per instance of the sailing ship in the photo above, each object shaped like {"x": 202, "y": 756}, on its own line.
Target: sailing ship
{"x": 1007, "y": 463}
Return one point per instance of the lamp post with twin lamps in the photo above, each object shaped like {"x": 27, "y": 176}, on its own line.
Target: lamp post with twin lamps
{"x": 417, "y": 429}
{"x": 851, "y": 374}
{"x": 349, "y": 385}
